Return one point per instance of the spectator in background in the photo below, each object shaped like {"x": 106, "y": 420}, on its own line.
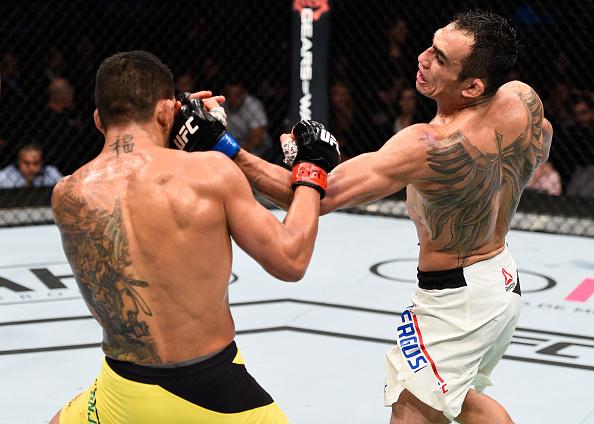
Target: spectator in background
{"x": 545, "y": 179}
{"x": 583, "y": 113}
{"x": 406, "y": 113}
{"x": 274, "y": 93}
{"x": 345, "y": 122}
{"x": 574, "y": 149}
{"x": 247, "y": 120}
{"x": 29, "y": 170}
{"x": 385, "y": 103}
{"x": 59, "y": 129}
{"x": 184, "y": 83}
{"x": 582, "y": 182}
{"x": 54, "y": 64}
{"x": 210, "y": 74}
{"x": 559, "y": 103}
{"x": 397, "y": 35}
{"x": 396, "y": 61}
{"x": 12, "y": 90}
{"x": 582, "y": 179}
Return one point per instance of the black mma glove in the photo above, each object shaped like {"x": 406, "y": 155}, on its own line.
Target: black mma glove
{"x": 317, "y": 154}
{"x": 195, "y": 129}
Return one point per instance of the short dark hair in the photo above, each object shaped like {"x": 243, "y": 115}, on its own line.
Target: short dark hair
{"x": 29, "y": 147}
{"x": 128, "y": 86}
{"x": 495, "y": 47}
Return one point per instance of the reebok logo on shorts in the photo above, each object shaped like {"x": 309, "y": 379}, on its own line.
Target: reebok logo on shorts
{"x": 508, "y": 280}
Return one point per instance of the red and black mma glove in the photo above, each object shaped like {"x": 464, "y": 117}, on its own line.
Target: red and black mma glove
{"x": 195, "y": 129}
{"x": 317, "y": 155}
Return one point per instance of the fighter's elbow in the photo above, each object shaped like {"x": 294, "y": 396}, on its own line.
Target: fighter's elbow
{"x": 293, "y": 277}
{"x": 291, "y": 273}
{"x": 295, "y": 264}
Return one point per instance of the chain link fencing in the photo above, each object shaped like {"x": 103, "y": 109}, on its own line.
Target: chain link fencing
{"x": 50, "y": 52}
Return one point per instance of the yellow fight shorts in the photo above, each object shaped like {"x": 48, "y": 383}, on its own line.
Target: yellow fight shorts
{"x": 216, "y": 390}
{"x": 459, "y": 325}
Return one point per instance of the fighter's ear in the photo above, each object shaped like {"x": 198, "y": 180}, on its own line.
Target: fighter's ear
{"x": 98, "y": 122}
{"x": 164, "y": 111}
{"x": 473, "y": 88}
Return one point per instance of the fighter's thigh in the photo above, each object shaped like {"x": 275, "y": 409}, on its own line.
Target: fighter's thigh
{"x": 410, "y": 410}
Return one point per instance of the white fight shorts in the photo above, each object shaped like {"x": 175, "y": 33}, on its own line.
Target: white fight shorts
{"x": 459, "y": 325}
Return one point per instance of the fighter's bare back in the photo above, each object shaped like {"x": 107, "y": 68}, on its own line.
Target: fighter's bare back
{"x": 477, "y": 163}
{"x": 146, "y": 235}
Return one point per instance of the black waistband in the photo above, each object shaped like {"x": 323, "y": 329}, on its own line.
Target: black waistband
{"x": 448, "y": 279}
{"x": 158, "y": 375}
{"x": 216, "y": 383}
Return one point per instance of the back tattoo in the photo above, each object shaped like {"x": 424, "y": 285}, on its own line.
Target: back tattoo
{"x": 96, "y": 246}
{"x": 469, "y": 181}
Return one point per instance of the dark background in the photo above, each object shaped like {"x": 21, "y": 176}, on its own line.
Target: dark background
{"x": 250, "y": 41}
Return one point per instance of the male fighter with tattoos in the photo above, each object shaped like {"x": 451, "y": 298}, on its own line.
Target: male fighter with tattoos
{"x": 464, "y": 173}
{"x": 147, "y": 231}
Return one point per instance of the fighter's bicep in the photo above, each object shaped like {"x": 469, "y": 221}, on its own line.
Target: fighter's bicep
{"x": 373, "y": 176}
{"x": 250, "y": 224}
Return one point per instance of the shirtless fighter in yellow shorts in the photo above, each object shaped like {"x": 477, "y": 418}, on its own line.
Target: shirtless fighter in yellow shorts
{"x": 147, "y": 231}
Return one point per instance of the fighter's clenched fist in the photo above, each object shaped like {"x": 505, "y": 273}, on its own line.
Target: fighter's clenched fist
{"x": 317, "y": 154}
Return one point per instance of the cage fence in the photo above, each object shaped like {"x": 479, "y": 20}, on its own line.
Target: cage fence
{"x": 50, "y": 52}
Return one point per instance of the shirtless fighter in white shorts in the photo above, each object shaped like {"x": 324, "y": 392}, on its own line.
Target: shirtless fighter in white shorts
{"x": 464, "y": 172}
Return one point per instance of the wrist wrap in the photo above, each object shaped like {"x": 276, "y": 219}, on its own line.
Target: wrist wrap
{"x": 310, "y": 175}
{"x": 227, "y": 144}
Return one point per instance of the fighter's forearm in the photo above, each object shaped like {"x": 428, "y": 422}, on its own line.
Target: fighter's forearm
{"x": 272, "y": 181}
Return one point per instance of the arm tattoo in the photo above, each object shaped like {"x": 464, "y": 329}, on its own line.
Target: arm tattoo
{"x": 468, "y": 183}
{"x": 96, "y": 246}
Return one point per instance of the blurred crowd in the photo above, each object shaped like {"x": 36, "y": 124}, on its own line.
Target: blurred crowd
{"x": 393, "y": 104}
{"x": 47, "y": 102}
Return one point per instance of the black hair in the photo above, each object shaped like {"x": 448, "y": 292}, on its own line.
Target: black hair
{"x": 495, "y": 47}
{"x": 29, "y": 147}
{"x": 129, "y": 85}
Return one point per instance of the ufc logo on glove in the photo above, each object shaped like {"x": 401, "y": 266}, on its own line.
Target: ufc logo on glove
{"x": 328, "y": 138}
{"x": 181, "y": 139}
{"x": 197, "y": 130}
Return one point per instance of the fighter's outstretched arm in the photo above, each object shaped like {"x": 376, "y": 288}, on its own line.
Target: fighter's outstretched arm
{"x": 358, "y": 181}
